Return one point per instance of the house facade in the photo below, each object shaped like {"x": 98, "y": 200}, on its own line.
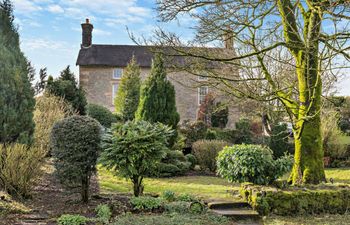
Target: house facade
{"x": 101, "y": 68}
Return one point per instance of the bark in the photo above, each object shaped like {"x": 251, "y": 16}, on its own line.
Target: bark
{"x": 85, "y": 189}
{"x": 138, "y": 187}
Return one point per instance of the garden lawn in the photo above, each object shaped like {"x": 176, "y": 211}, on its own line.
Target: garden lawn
{"x": 206, "y": 187}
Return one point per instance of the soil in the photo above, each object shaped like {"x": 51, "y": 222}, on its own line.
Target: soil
{"x": 50, "y": 200}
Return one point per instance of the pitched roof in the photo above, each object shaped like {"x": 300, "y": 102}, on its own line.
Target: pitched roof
{"x": 120, "y": 55}
{"x": 114, "y": 55}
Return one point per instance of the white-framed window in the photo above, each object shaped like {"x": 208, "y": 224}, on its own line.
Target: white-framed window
{"x": 202, "y": 93}
{"x": 117, "y": 73}
{"x": 114, "y": 91}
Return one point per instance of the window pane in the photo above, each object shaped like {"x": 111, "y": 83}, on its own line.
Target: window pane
{"x": 202, "y": 93}
{"x": 117, "y": 73}
{"x": 114, "y": 91}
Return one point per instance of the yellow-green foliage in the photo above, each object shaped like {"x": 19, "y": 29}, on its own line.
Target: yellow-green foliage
{"x": 48, "y": 110}
{"x": 8, "y": 205}
{"x": 297, "y": 201}
{"x": 20, "y": 168}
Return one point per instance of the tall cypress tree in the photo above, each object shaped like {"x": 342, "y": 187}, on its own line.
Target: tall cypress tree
{"x": 16, "y": 94}
{"x": 66, "y": 87}
{"x": 157, "y": 101}
{"x": 127, "y": 99}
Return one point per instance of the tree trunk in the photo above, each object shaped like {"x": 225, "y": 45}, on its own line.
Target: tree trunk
{"x": 138, "y": 187}
{"x": 85, "y": 189}
{"x": 308, "y": 165}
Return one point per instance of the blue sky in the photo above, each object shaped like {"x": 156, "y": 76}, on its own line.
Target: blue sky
{"x": 51, "y": 33}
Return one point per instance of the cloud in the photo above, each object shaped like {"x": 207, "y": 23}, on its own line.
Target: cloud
{"x": 55, "y": 9}
{"x": 26, "y": 6}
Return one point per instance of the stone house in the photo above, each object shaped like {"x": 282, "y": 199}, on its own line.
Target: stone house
{"x": 101, "y": 68}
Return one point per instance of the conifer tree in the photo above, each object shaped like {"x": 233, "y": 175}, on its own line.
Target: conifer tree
{"x": 157, "y": 101}
{"x": 127, "y": 99}
{"x": 16, "y": 94}
{"x": 66, "y": 87}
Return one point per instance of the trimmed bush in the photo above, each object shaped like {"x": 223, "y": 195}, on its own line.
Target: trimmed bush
{"x": 244, "y": 132}
{"x": 102, "y": 115}
{"x": 297, "y": 201}
{"x": 134, "y": 150}
{"x": 167, "y": 170}
{"x": 206, "y": 152}
{"x": 251, "y": 163}
{"x": 20, "y": 168}
{"x": 193, "y": 131}
{"x": 75, "y": 145}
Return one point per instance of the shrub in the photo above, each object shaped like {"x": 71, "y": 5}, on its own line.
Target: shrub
{"x": 244, "y": 133}
{"x": 332, "y": 135}
{"x": 20, "y": 168}
{"x": 206, "y": 152}
{"x": 167, "y": 170}
{"x": 49, "y": 109}
{"x": 192, "y": 159}
{"x": 228, "y": 135}
{"x": 196, "y": 207}
{"x": 146, "y": 203}
{"x": 173, "y": 164}
{"x": 297, "y": 201}
{"x": 169, "y": 196}
{"x": 251, "y": 163}
{"x": 103, "y": 213}
{"x": 102, "y": 115}
{"x": 177, "y": 207}
{"x": 186, "y": 198}
{"x": 193, "y": 131}
{"x": 279, "y": 140}
{"x": 134, "y": 149}
{"x": 72, "y": 220}
{"x": 75, "y": 145}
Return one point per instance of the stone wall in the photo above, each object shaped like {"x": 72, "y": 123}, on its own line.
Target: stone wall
{"x": 98, "y": 81}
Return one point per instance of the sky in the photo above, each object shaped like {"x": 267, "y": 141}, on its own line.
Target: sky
{"x": 50, "y": 30}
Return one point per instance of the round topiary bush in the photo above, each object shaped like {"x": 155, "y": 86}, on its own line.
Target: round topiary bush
{"x": 75, "y": 143}
{"x": 102, "y": 115}
{"x": 251, "y": 163}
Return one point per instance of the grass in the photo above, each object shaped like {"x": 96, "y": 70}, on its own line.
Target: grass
{"x": 345, "y": 140}
{"x": 201, "y": 186}
{"x": 307, "y": 220}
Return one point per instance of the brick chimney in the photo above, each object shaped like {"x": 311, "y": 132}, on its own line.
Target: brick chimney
{"x": 87, "y": 34}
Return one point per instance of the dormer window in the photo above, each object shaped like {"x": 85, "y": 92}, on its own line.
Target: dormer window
{"x": 117, "y": 73}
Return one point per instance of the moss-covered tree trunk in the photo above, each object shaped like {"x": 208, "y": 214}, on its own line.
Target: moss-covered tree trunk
{"x": 308, "y": 166}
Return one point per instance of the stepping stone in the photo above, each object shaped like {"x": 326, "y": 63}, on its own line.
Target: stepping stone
{"x": 238, "y": 214}
{"x": 228, "y": 205}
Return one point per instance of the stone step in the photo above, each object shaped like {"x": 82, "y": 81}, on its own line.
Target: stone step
{"x": 228, "y": 205}
{"x": 238, "y": 214}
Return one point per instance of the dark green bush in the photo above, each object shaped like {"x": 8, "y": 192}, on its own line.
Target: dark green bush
{"x": 102, "y": 115}
{"x": 75, "y": 143}
{"x": 192, "y": 159}
{"x": 206, "y": 152}
{"x": 244, "y": 133}
{"x": 146, "y": 203}
{"x": 173, "y": 164}
{"x": 251, "y": 163}
{"x": 297, "y": 201}
{"x": 228, "y": 135}
{"x": 167, "y": 170}
{"x": 135, "y": 149}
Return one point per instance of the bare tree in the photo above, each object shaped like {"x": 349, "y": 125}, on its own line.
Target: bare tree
{"x": 308, "y": 39}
